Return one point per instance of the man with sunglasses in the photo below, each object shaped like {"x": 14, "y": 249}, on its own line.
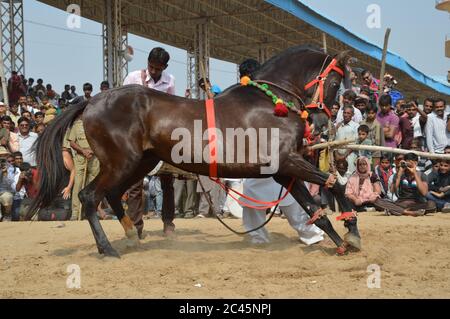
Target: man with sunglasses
{"x": 26, "y": 141}
{"x": 155, "y": 77}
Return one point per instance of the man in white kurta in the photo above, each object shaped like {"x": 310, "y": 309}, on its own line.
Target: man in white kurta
{"x": 266, "y": 189}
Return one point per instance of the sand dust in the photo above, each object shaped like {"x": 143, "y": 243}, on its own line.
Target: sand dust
{"x": 205, "y": 260}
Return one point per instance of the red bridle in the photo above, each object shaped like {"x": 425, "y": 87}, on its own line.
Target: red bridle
{"x": 320, "y": 89}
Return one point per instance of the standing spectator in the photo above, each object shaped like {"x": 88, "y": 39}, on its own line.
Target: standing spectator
{"x": 87, "y": 165}
{"x": 24, "y": 106}
{"x": 348, "y": 99}
{"x": 28, "y": 179}
{"x": 155, "y": 196}
{"x": 87, "y": 90}
{"x": 3, "y": 109}
{"x": 26, "y": 141}
{"x": 400, "y": 107}
{"x": 418, "y": 119}
{"x": 334, "y": 111}
{"x": 363, "y": 133}
{"x": 406, "y": 128}
{"x": 376, "y": 134}
{"x": 39, "y": 118}
{"x": 389, "y": 121}
{"x": 104, "y": 86}
{"x": 155, "y": 77}
{"x": 439, "y": 187}
{"x": 14, "y": 114}
{"x": 73, "y": 94}
{"x": 371, "y": 83}
{"x": 11, "y": 142}
{"x": 15, "y": 87}
{"x": 185, "y": 196}
{"x": 428, "y": 105}
{"x": 361, "y": 103}
{"x": 437, "y": 135}
{"x": 40, "y": 89}
{"x": 66, "y": 94}
{"x": 347, "y": 129}
{"x": 30, "y": 90}
{"x": 51, "y": 94}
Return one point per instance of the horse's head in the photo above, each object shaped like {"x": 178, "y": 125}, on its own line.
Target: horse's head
{"x": 312, "y": 75}
{"x": 321, "y": 89}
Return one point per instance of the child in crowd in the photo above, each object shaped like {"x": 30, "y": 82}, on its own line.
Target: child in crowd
{"x": 363, "y": 139}
{"x": 384, "y": 171}
{"x": 376, "y": 134}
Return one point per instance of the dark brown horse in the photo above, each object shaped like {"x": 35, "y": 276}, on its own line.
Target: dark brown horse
{"x": 130, "y": 131}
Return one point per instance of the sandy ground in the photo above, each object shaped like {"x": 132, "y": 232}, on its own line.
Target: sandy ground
{"x": 413, "y": 255}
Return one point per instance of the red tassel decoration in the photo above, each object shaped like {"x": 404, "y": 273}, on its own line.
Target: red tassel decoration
{"x": 281, "y": 110}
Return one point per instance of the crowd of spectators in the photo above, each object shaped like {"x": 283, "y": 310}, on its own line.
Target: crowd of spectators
{"x": 399, "y": 185}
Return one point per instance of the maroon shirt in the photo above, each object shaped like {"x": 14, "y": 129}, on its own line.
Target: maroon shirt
{"x": 407, "y": 132}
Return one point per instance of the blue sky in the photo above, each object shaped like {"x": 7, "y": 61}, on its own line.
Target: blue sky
{"x": 60, "y": 56}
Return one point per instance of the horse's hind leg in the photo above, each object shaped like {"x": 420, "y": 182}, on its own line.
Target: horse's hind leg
{"x": 297, "y": 166}
{"x": 304, "y": 198}
{"x": 90, "y": 197}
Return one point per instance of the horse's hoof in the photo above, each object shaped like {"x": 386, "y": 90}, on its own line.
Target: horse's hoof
{"x": 353, "y": 241}
{"x": 111, "y": 252}
{"x": 132, "y": 234}
{"x": 132, "y": 242}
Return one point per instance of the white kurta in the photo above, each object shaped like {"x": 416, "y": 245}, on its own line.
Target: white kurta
{"x": 266, "y": 189}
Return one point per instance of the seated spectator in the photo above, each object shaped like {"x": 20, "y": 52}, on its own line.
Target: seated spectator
{"x": 39, "y": 118}
{"x": 411, "y": 189}
{"x": 334, "y": 111}
{"x": 363, "y": 139}
{"x": 14, "y": 114}
{"x": 363, "y": 187}
{"x": 439, "y": 187}
{"x": 29, "y": 180}
{"x": 20, "y": 194}
{"x": 26, "y": 141}
{"x": 9, "y": 140}
{"x": 6, "y": 188}
{"x": 424, "y": 164}
{"x": 384, "y": 171}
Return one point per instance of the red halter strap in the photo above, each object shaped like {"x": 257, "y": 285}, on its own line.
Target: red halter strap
{"x": 321, "y": 81}
{"x": 212, "y": 135}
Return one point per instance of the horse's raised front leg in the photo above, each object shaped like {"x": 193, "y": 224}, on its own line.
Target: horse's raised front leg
{"x": 297, "y": 166}
{"x": 304, "y": 198}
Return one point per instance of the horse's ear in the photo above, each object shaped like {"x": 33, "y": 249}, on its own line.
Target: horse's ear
{"x": 343, "y": 57}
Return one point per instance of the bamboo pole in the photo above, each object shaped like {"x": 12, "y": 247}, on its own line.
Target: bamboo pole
{"x": 332, "y": 144}
{"x": 383, "y": 61}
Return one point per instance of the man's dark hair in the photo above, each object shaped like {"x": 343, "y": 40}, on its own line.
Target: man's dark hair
{"x": 25, "y": 167}
{"x": 439, "y": 100}
{"x": 363, "y": 128}
{"x": 7, "y": 118}
{"x": 87, "y": 87}
{"x": 371, "y": 108}
{"x": 411, "y": 157}
{"x": 104, "y": 83}
{"x": 349, "y": 95}
{"x": 67, "y": 87}
{"x": 385, "y": 100}
{"x": 385, "y": 156}
{"x": 159, "y": 55}
{"x": 39, "y": 114}
{"x": 40, "y": 80}
{"x": 23, "y": 119}
{"x": 365, "y": 71}
{"x": 15, "y": 154}
{"x": 31, "y": 80}
{"x": 248, "y": 68}
{"x": 447, "y": 148}
{"x": 428, "y": 99}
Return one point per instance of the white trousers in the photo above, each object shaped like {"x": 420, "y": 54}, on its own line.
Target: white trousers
{"x": 296, "y": 216}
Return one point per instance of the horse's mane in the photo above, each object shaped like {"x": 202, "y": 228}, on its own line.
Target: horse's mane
{"x": 289, "y": 51}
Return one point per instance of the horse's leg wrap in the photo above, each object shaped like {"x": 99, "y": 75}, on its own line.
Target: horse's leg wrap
{"x": 352, "y": 238}
{"x": 317, "y": 215}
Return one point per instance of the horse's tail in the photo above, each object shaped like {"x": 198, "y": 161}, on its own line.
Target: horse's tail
{"x": 49, "y": 158}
